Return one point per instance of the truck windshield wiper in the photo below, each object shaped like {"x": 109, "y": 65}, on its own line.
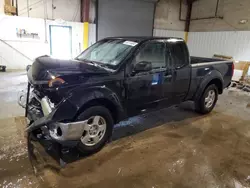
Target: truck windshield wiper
{"x": 96, "y": 63}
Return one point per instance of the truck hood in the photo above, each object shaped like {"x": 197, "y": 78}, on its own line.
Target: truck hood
{"x": 45, "y": 66}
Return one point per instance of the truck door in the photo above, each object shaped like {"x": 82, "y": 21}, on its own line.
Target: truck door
{"x": 180, "y": 65}
{"x": 144, "y": 89}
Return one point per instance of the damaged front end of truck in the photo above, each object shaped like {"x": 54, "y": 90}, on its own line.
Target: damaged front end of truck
{"x": 53, "y": 99}
{"x": 48, "y": 106}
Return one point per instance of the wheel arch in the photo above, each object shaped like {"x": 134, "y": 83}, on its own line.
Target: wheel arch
{"x": 98, "y": 95}
{"x": 218, "y": 83}
{"x": 101, "y": 102}
{"x": 213, "y": 77}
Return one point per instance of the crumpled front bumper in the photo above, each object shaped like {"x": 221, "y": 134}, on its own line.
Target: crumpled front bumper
{"x": 50, "y": 121}
{"x": 67, "y": 131}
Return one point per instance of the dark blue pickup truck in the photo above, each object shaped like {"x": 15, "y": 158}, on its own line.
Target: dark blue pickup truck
{"x": 78, "y": 101}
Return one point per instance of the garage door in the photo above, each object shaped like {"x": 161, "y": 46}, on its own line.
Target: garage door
{"x": 125, "y": 18}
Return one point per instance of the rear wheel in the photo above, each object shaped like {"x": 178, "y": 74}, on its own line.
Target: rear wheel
{"x": 208, "y": 100}
{"x": 98, "y": 129}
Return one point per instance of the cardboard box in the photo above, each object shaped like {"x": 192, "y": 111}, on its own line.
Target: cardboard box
{"x": 244, "y": 66}
{"x": 7, "y": 2}
{"x": 237, "y": 75}
{"x": 223, "y": 57}
{"x": 9, "y": 9}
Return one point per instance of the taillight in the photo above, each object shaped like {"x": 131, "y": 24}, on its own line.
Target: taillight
{"x": 233, "y": 69}
{"x": 56, "y": 82}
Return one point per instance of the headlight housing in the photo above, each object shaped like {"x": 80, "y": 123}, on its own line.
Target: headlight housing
{"x": 56, "y": 82}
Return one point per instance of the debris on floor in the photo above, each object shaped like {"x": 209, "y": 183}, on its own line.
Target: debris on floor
{"x": 241, "y": 85}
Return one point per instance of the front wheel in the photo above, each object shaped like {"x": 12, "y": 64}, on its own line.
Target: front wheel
{"x": 98, "y": 129}
{"x": 208, "y": 100}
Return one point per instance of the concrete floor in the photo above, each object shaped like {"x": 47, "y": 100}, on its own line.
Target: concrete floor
{"x": 173, "y": 147}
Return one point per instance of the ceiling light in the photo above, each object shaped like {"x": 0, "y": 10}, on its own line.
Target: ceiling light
{"x": 244, "y": 21}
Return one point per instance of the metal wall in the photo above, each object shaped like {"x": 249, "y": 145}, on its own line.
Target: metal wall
{"x": 14, "y": 54}
{"x": 168, "y": 33}
{"x": 230, "y": 43}
{"x": 206, "y": 44}
{"x": 92, "y": 34}
{"x": 125, "y": 18}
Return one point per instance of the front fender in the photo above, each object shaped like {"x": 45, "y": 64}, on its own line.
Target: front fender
{"x": 81, "y": 96}
{"x": 214, "y": 74}
{"x": 69, "y": 107}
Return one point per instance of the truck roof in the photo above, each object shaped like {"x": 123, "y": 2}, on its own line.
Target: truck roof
{"x": 144, "y": 38}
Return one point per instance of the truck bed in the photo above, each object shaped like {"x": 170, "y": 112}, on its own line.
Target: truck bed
{"x": 201, "y": 67}
{"x": 195, "y": 60}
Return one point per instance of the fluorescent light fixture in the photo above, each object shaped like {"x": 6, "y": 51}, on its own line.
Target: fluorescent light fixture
{"x": 243, "y": 21}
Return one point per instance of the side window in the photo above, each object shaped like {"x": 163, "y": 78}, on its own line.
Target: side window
{"x": 153, "y": 52}
{"x": 179, "y": 54}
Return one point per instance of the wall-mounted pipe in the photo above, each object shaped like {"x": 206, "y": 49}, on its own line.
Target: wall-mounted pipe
{"x": 45, "y": 10}
{"x": 180, "y": 10}
{"x": 188, "y": 17}
{"x": 53, "y": 8}
{"x": 85, "y": 14}
{"x": 17, "y": 7}
{"x": 82, "y": 10}
{"x": 28, "y": 8}
{"x": 205, "y": 18}
{"x": 46, "y": 32}
{"x": 188, "y": 20}
{"x": 86, "y": 10}
{"x": 216, "y": 9}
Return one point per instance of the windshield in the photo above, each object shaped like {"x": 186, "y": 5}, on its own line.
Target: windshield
{"x": 108, "y": 52}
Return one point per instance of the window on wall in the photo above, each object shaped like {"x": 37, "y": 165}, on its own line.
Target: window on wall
{"x": 61, "y": 41}
{"x": 153, "y": 52}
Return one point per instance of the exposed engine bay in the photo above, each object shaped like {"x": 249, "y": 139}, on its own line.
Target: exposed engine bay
{"x": 40, "y": 106}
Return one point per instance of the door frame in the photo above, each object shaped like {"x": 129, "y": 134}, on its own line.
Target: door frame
{"x": 50, "y": 38}
{"x": 154, "y": 72}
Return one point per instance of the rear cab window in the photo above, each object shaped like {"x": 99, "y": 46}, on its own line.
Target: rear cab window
{"x": 179, "y": 53}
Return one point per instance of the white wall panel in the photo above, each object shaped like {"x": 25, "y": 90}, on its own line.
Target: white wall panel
{"x": 1, "y": 7}
{"x": 11, "y": 58}
{"x": 32, "y": 48}
{"x": 229, "y": 43}
{"x": 168, "y": 33}
{"x": 92, "y": 34}
{"x": 25, "y": 47}
{"x": 68, "y": 10}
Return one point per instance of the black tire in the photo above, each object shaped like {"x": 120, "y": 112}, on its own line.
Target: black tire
{"x": 200, "y": 103}
{"x": 94, "y": 111}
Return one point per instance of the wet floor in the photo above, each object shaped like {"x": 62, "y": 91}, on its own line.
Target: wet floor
{"x": 169, "y": 148}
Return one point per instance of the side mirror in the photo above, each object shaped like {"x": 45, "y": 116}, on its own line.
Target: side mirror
{"x": 143, "y": 66}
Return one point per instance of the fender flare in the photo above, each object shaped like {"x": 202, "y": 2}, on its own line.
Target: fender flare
{"x": 69, "y": 107}
{"x": 210, "y": 76}
{"x": 82, "y": 96}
